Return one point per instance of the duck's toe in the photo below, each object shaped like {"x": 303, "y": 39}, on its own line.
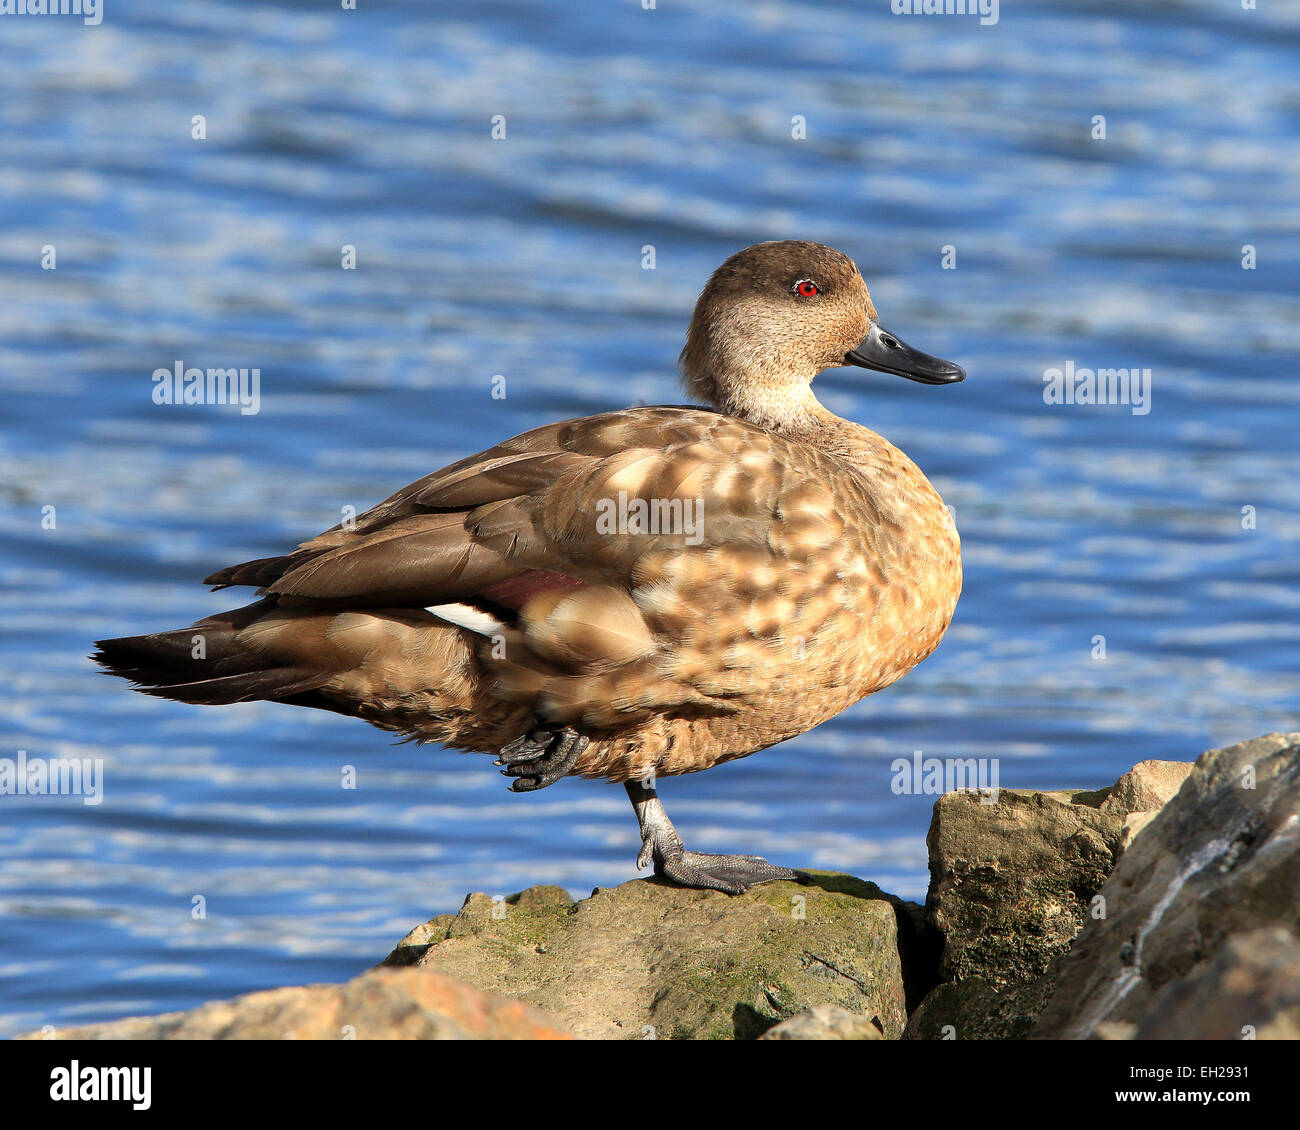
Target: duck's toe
{"x": 541, "y": 757}
{"x": 733, "y": 874}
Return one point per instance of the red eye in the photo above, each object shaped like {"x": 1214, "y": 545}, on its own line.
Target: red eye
{"x": 807, "y": 289}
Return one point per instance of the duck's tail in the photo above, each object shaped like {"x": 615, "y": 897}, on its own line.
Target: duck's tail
{"x": 402, "y": 670}
{"x": 210, "y": 663}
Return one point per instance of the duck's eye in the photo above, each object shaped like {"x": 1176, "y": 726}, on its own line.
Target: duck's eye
{"x": 807, "y": 289}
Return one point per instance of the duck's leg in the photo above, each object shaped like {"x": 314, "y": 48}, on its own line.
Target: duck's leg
{"x": 541, "y": 757}
{"x": 661, "y": 845}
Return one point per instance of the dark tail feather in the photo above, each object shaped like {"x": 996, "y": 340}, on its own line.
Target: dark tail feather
{"x": 204, "y": 664}
{"x": 259, "y": 573}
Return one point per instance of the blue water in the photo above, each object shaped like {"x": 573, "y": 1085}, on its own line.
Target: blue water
{"x": 522, "y": 258}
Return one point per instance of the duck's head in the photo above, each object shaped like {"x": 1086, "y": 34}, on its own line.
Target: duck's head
{"x": 774, "y": 316}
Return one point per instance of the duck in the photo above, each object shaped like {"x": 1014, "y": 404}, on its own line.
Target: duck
{"x": 638, "y": 594}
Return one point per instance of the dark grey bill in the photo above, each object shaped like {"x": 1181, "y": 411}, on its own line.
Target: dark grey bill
{"x": 883, "y": 352}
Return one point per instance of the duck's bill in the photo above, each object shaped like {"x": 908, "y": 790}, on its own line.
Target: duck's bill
{"x": 885, "y": 353}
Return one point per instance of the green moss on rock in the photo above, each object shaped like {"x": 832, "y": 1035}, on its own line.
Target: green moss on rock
{"x": 650, "y": 960}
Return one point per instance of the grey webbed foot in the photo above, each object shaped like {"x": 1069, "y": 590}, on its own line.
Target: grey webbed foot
{"x": 660, "y": 845}
{"x": 541, "y": 757}
{"x": 734, "y": 874}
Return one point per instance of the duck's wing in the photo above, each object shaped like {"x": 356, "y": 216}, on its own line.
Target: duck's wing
{"x": 563, "y": 499}
{"x": 657, "y": 540}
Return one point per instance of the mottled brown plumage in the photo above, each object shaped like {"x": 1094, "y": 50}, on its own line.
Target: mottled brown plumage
{"x": 798, "y": 562}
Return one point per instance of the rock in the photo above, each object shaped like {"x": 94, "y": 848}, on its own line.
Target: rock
{"x": 825, "y": 1023}
{"x": 385, "y": 1004}
{"x": 1134, "y": 822}
{"x": 1142, "y": 792}
{"x": 1113, "y": 1030}
{"x": 973, "y": 1009}
{"x": 1250, "y": 988}
{"x": 1147, "y": 787}
{"x": 1010, "y": 882}
{"x": 649, "y": 960}
{"x": 1186, "y": 904}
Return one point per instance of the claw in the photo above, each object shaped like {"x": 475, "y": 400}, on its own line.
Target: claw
{"x": 646, "y": 856}
{"x": 526, "y": 747}
{"x": 541, "y": 757}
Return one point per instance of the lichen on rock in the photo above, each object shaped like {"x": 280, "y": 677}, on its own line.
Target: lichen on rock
{"x": 649, "y": 960}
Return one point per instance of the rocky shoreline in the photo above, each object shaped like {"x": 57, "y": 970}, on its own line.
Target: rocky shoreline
{"x": 1164, "y": 906}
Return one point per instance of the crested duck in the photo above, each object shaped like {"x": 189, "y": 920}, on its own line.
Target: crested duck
{"x": 631, "y": 595}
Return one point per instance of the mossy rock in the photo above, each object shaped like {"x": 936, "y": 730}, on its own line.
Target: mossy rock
{"x": 1010, "y": 882}
{"x": 974, "y": 1009}
{"x": 650, "y": 960}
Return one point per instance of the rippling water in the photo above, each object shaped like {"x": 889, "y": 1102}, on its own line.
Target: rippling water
{"x": 523, "y": 257}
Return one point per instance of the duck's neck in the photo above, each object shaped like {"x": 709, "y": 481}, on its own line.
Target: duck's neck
{"x": 796, "y": 414}
{"x": 778, "y": 407}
